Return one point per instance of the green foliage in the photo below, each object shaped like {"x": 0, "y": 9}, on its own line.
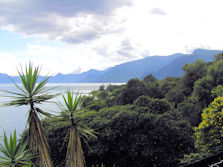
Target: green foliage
{"x": 147, "y": 122}
{"x": 218, "y": 57}
{"x": 15, "y": 154}
{"x": 194, "y": 157}
{"x": 133, "y": 89}
{"x": 217, "y": 164}
{"x": 72, "y": 109}
{"x": 168, "y": 84}
{"x": 202, "y": 89}
{"x": 216, "y": 72}
{"x": 102, "y": 87}
{"x": 175, "y": 95}
{"x": 129, "y": 138}
{"x": 102, "y": 165}
{"x": 110, "y": 88}
{"x": 209, "y": 133}
{"x": 153, "y": 90}
{"x": 149, "y": 78}
{"x": 69, "y": 111}
{"x": 152, "y": 105}
{"x": 191, "y": 110}
{"x": 32, "y": 93}
{"x": 213, "y": 78}
{"x": 143, "y": 101}
{"x": 193, "y": 72}
{"x": 217, "y": 91}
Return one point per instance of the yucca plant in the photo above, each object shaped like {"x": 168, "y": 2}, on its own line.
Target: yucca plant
{"x": 14, "y": 153}
{"x": 32, "y": 93}
{"x": 102, "y": 165}
{"x": 71, "y": 108}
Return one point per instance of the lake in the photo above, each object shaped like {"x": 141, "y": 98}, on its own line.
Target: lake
{"x": 15, "y": 117}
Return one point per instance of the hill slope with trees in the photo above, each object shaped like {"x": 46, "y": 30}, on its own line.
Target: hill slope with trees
{"x": 151, "y": 122}
{"x": 143, "y": 123}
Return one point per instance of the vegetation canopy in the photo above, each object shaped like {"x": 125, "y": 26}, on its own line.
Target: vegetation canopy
{"x": 143, "y": 123}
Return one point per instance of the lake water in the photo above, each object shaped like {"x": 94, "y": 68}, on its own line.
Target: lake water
{"x": 15, "y": 117}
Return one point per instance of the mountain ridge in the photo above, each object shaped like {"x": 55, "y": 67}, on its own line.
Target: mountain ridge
{"x": 159, "y": 66}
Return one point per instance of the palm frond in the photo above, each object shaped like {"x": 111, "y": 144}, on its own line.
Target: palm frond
{"x": 86, "y": 132}
{"x": 43, "y": 112}
{"x": 30, "y": 90}
{"x": 40, "y": 87}
{"x": 71, "y": 108}
{"x": 31, "y": 93}
{"x": 15, "y": 154}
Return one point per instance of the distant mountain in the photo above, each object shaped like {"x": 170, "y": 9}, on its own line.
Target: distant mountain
{"x": 4, "y": 78}
{"x": 136, "y": 69}
{"x": 174, "y": 69}
{"x": 160, "y": 66}
{"x": 85, "y": 77}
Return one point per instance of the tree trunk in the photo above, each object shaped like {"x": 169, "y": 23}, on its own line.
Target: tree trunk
{"x": 38, "y": 142}
{"x": 75, "y": 156}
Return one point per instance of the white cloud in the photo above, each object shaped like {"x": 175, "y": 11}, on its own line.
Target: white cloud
{"x": 70, "y": 21}
{"x": 8, "y": 63}
{"x": 108, "y": 32}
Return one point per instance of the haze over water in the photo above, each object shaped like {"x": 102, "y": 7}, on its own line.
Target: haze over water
{"x": 15, "y": 117}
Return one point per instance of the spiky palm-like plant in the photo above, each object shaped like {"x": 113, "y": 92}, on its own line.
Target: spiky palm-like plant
{"x": 31, "y": 93}
{"x": 69, "y": 111}
{"x": 15, "y": 154}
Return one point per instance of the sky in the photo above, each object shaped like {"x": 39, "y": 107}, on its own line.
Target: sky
{"x": 73, "y": 36}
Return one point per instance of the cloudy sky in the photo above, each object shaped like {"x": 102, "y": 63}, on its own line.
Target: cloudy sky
{"x": 72, "y": 36}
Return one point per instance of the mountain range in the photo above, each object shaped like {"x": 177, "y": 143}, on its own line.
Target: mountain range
{"x": 159, "y": 66}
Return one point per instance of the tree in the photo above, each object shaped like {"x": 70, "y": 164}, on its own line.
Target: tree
{"x": 31, "y": 94}
{"x": 209, "y": 133}
{"x": 175, "y": 95}
{"x": 167, "y": 84}
{"x": 152, "y": 105}
{"x": 69, "y": 111}
{"x": 191, "y": 110}
{"x": 202, "y": 89}
{"x": 110, "y": 88}
{"x": 218, "y": 57}
{"x": 153, "y": 90}
{"x": 143, "y": 101}
{"x": 15, "y": 154}
{"x": 217, "y": 91}
{"x": 193, "y": 72}
{"x": 149, "y": 78}
{"x": 134, "y": 88}
{"x": 216, "y": 72}
{"x": 129, "y": 138}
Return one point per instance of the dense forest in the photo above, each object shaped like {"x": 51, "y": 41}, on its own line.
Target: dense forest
{"x": 143, "y": 123}
{"x": 151, "y": 122}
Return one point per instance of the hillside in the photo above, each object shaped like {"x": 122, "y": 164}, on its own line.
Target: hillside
{"x": 160, "y": 66}
{"x": 175, "y": 67}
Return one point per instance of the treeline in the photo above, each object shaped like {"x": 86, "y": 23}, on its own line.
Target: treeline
{"x": 151, "y": 122}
